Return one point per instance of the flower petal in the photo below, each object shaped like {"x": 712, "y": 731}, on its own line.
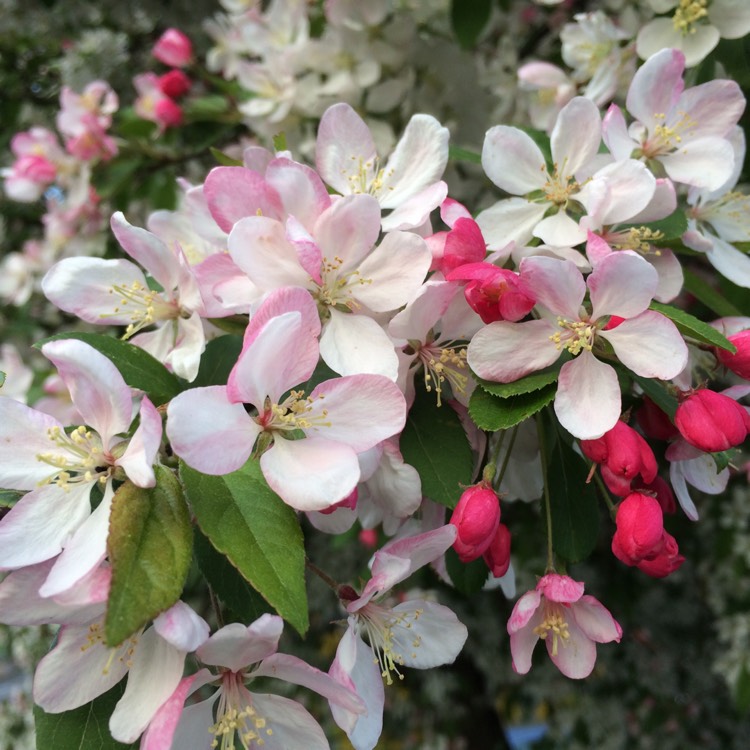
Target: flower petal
{"x": 622, "y": 284}
{"x": 513, "y": 161}
{"x": 238, "y": 647}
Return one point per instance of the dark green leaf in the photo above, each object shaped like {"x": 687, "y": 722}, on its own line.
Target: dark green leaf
{"x": 225, "y": 160}
{"x": 712, "y": 298}
{"x": 259, "y": 534}
{"x": 689, "y": 325}
{"x": 468, "y": 19}
{"x": 575, "y": 513}
{"x": 84, "y": 728}
{"x": 530, "y": 383}
{"x": 137, "y": 367}
{"x": 491, "y": 413}
{"x": 671, "y": 227}
{"x": 245, "y": 604}
{"x": 658, "y": 393}
{"x": 435, "y": 444}
{"x": 2, "y": 379}
{"x": 468, "y": 578}
{"x": 218, "y": 360}
{"x": 742, "y": 690}
{"x": 150, "y": 547}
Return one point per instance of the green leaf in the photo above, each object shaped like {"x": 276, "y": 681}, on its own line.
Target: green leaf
{"x": 279, "y": 142}
{"x": 150, "y": 547}
{"x": 225, "y": 160}
{"x": 468, "y": 578}
{"x": 8, "y": 498}
{"x": 456, "y": 153}
{"x": 84, "y": 728}
{"x": 218, "y": 360}
{"x": 689, "y": 325}
{"x": 712, "y": 298}
{"x": 205, "y": 107}
{"x": 658, "y": 393}
{"x": 575, "y": 513}
{"x": 722, "y": 459}
{"x": 245, "y": 604}
{"x": 138, "y": 368}
{"x": 468, "y": 19}
{"x": 435, "y": 444}
{"x": 234, "y": 324}
{"x": 742, "y": 690}
{"x": 530, "y": 383}
{"x": 672, "y": 227}
{"x": 491, "y": 413}
{"x": 260, "y": 535}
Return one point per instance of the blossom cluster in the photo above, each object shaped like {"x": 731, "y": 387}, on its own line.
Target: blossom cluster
{"x": 329, "y": 337}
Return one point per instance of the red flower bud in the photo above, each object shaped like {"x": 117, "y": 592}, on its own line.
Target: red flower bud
{"x": 497, "y": 555}
{"x": 173, "y": 48}
{"x": 640, "y": 527}
{"x": 662, "y": 491}
{"x": 738, "y": 363}
{"x": 712, "y": 421}
{"x": 175, "y": 84}
{"x": 168, "y": 113}
{"x": 476, "y": 517}
{"x": 654, "y": 422}
{"x": 623, "y": 454}
{"x": 665, "y": 562}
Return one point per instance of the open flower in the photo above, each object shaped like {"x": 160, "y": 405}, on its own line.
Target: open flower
{"x": 569, "y": 622}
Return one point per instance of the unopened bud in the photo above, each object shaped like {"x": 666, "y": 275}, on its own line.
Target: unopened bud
{"x": 174, "y": 84}
{"x": 712, "y": 421}
{"x": 654, "y": 422}
{"x": 738, "y": 363}
{"x": 168, "y": 113}
{"x": 476, "y": 517}
{"x": 173, "y": 48}
{"x": 497, "y": 555}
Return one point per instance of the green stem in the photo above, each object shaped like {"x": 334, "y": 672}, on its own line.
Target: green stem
{"x": 605, "y": 495}
{"x": 322, "y": 575}
{"x": 506, "y": 460}
{"x": 547, "y": 503}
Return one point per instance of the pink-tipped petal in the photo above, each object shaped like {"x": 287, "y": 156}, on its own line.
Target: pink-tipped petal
{"x": 140, "y": 455}
{"x": 237, "y": 647}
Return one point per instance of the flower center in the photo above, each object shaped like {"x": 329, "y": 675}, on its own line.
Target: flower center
{"x": 296, "y": 412}
{"x": 667, "y": 137}
{"x": 336, "y": 289}
{"x": 379, "y": 623}
{"x": 687, "y": 14}
{"x": 83, "y": 459}
{"x": 639, "y": 239}
{"x": 122, "y": 653}
{"x": 237, "y": 717}
{"x": 441, "y": 364}
{"x": 554, "y": 623}
{"x": 575, "y": 336}
{"x": 144, "y": 305}
{"x": 368, "y": 178}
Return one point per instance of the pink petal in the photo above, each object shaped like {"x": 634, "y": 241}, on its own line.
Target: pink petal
{"x": 622, "y": 284}
{"x": 238, "y": 647}
{"x": 504, "y": 352}
{"x": 596, "y": 621}
{"x": 292, "y": 726}
{"x": 415, "y": 211}
{"x": 588, "y": 397}
{"x": 560, "y": 588}
{"x": 347, "y": 231}
{"x": 557, "y": 284}
{"x": 140, "y": 455}
{"x": 210, "y": 433}
{"x": 363, "y": 410}
{"x": 182, "y": 627}
{"x": 656, "y": 86}
{"x": 615, "y": 134}
{"x": 302, "y": 193}
{"x": 576, "y": 655}
{"x": 310, "y": 474}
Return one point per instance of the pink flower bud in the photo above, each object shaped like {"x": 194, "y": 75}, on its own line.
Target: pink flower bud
{"x": 738, "y": 363}
{"x": 623, "y": 454}
{"x": 175, "y": 84}
{"x": 640, "y": 527}
{"x": 661, "y": 490}
{"x": 497, "y": 555}
{"x": 173, "y": 48}
{"x": 168, "y": 113}
{"x": 665, "y": 562}
{"x": 476, "y": 517}
{"x": 368, "y": 538}
{"x": 711, "y": 421}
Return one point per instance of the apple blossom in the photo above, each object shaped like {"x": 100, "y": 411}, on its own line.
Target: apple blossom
{"x": 570, "y": 623}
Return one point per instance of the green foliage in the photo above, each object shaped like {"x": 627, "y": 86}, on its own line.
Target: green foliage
{"x": 435, "y": 444}
{"x": 84, "y": 728}
{"x": 710, "y": 297}
{"x": 138, "y": 368}
{"x": 575, "y": 513}
{"x": 8, "y": 498}
{"x": 742, "y": 690}
{"x": 257, "y": 532}
{"x": 658, "y": 393}
{"x": 534, "y": 382}
{"x": 492, "y": 413}
{"x": 150, "y": 548}
{"x": 468, "y": 19}
{"x": 689, "y": 325}
{"x": 456, "y": 153}
{"x": 218, "y": 360}
{"x": 468, "y": 578}
{"x": 245, "y": 604}
{"x": 223, "y": 159}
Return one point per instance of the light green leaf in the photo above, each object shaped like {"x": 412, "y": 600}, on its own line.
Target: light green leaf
{"x": 257, "y": 532}
{"x": 224, "y": 159}
{"x": 658, "y": 393}
{"x": 712, "y": 298}
{"x": 435, "y": 444}
{"x": 137, "y": 367}
{"x": 8, "y": 498}
{"x": 150, "y": 547}
{"x": 492, "y": 413}
{"x": 456, "y": 153}
{"x": 689, "y": 325}
{"x": 84, "y": 728}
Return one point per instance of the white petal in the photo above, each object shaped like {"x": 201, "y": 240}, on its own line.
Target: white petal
{"x": 512, "y": 160}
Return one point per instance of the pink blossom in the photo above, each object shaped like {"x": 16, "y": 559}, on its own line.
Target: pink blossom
{"x": 173, "y": 48}
{"x": 569, "y": 622}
